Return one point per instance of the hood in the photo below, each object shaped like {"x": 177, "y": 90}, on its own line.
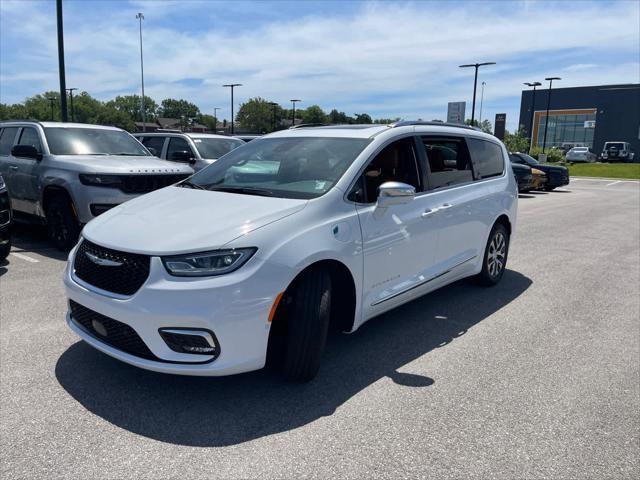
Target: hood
{"x": 177, "y": 220}
{"x": 551, "y": 168}
{"x": 119, "y": 164}
{"x": 521, "y": 169}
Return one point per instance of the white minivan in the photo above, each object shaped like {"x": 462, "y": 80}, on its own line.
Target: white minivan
{"x": 258, "y": 254}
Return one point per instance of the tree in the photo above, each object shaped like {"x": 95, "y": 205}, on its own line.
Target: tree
{"x": 256, "y": 115}
{"x": 314, "y": 114}
{"x": 485, "y": 126}
{"x": 386, "y": 121}
{"x": 208, "y": 121}
{"x": 130, "y": 104}
{"x": 172, "y": 108}
{"x": 108, "y": 115}
{"x": 516, "y": 142}
{"x": 337, "y": 117}
{"x": 363, "y": 118}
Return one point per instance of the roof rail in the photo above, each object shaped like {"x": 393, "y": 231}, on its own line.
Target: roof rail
{"x": 168, "y": 130}
{"x": 22, "y": 120}
{"x": 408, "y": 123}
{"x": 306, "y": 125}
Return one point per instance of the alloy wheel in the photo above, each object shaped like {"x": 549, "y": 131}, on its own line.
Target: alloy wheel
{"x": 496, "y": 254}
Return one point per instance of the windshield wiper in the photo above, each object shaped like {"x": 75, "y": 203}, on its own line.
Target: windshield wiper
{"x": 246, "y": 190}
{"x": 188, "y": 184}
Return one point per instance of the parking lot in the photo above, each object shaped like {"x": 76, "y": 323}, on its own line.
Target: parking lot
{"x": 537, "y": 377}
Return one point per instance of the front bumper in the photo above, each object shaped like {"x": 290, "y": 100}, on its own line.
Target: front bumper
{"x": 235, "y": 307}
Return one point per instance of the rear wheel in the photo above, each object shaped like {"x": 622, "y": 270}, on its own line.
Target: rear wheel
{"x": 62, "y": 223}
{"x": 495, "y": 256}
{"x": 307, "y": 326}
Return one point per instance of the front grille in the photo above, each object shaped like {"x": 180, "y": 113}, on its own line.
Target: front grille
{"x": 148, "y": 183}
{"x": 124, "y": 279}
{"x": 119, "y": 335}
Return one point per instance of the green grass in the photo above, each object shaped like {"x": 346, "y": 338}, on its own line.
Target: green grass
{"x": 606, "y": 170}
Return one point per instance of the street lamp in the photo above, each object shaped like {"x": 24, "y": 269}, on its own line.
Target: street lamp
{"x": 51, "y": 101}
{"x": 481, "y": 100}
{"x": 215, "y": 116}
{"x": 63, "y": 86}
{"x": 475, "y": 84}
{"x": 546, "y": 123}
{"x": 533, "y": 110}
{"x": 293, "y": 117}
{"x": 232, "y": 86}
{"x": 273, "y": 122}
{"x": 140, "y": 17}
{"x": 70, "y": 90}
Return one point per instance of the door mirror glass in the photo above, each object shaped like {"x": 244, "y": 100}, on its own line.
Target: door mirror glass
{"x": 26, "y": 151}
{"x": 395, "y": 193}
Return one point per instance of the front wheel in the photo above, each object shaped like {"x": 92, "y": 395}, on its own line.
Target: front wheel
{"x": 62, "y": 223}
{"x": 308, "y": 325}
{"x": 495, "y": 256}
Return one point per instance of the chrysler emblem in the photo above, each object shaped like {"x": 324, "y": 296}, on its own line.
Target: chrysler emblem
{"x": 102, "y": 261}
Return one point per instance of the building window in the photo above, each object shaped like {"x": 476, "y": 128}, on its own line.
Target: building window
{"x": 565, "y": 127}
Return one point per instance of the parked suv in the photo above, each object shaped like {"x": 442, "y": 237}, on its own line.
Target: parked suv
{"x": 256, "y": 255}
{"x": 5, "y": 221}
{"x": 196, "y": 149}
{"x": 617, "y": 152}
{"x": 557, "y": 176}
{"x": 65, "y": 174}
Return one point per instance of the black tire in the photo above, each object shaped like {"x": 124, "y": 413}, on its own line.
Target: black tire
{"x": 62, "y": 223}
{"x": 307, "y": 327}
{"x": 4, "y": 251}
{"x": 491, "y": 275}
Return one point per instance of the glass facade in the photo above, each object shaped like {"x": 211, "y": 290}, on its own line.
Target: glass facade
{"x": 566, "y": 128}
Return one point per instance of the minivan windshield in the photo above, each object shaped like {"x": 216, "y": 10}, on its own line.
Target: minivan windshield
{"x": 291, "y": 167}
{"x": 215, "y": 147}
{"x": 92, "y": 141}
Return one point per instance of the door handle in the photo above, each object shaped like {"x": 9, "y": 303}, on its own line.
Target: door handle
{"x": 444, "y": 206}
{"x": 13, "y": 167}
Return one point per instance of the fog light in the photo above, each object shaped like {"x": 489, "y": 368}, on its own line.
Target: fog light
{"x": 192, "y": 341}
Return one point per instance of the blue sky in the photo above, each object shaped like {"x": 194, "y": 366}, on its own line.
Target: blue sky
{"x": 389, "y": 59}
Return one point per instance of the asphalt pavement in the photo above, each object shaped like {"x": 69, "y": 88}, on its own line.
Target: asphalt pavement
{"x": 538, "y": 377}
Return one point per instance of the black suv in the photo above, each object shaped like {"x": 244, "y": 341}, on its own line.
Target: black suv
{"x": 556, "y": 176}
{"x": 5, "y": 221}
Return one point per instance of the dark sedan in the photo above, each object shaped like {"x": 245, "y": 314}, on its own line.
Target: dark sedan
{"x": 556, "y": 176}
{"x": 5, "y": 221}
{"x": 523, "y": 177}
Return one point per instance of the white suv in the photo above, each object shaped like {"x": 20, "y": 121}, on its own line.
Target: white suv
{"x": 258, "y": 254}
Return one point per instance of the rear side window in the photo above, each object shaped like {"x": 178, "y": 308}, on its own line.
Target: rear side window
{"x": 486, "y": 157}
{"x": 29, "y": 136}
{"x": 177, "y": 144}
{"x": 7, "y": 136}
{"x": 449, "y": 162}
{"x": 154, "y": 142}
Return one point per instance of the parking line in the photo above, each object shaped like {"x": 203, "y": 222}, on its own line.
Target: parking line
{"x": 24, "y": 257}
{"x": 612, "y": 183}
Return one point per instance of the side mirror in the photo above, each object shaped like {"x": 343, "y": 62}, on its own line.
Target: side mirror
{"x": 183, "y": 156}
{"x": 26, "y": 151}
{"x": 395, "y": 193}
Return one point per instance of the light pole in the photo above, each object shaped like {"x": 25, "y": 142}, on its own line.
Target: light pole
{"x": 481, "y": 100}
{"x": 140, "y": 17}
{"x": 63, "y": 86}
{"x": 533, "y": 110}
{"x": 215, "y": 117}
{"x": 232, "y": 86}
{"x": 546, "y": 123}
{"x": 51, "y": 100}
{"x": 273, "y": 121}
{"x": 293, "y": 117}
{"x": 475, "y": 84}
{"x": 70, "y": 90}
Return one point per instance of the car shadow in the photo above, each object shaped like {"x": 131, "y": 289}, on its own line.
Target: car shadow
{"x": 526, "y": 195}
{"x": 34, "y": 238}
{"x": 207, "y": 411}
{"x": 538, "y": 192}
{"x": 3, "y": 266}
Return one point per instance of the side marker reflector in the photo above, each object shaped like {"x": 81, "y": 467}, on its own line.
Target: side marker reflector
{"x": 274, "y": 307}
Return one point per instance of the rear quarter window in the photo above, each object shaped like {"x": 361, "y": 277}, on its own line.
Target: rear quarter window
{"x": 487, "y": 158}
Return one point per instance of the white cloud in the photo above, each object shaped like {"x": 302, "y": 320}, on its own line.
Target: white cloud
{"x": 388, "y": 59}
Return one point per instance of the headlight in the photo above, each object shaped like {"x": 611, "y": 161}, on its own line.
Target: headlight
{"x": 207, "y": 264}
{"x": 100, "y": 180}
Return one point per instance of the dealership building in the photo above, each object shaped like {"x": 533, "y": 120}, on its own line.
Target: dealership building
{"x": 586, "y": 116}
